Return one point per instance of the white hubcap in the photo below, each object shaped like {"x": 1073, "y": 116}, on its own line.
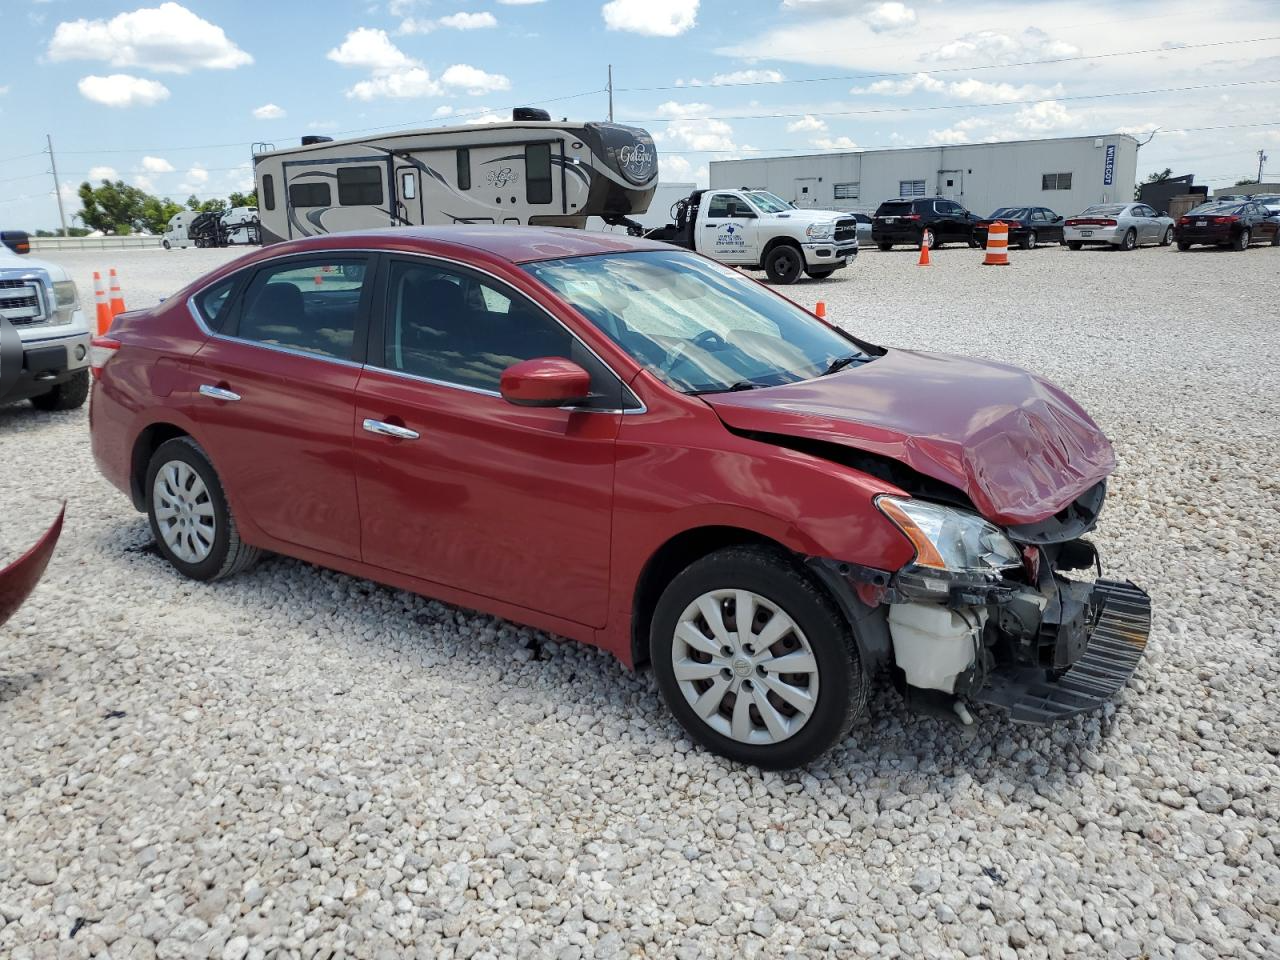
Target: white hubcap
{"x": 745, "y": 666}
{"x": 184, "y": 512}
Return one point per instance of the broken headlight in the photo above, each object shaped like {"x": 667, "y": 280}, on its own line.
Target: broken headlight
{"x": 948, "y": 539}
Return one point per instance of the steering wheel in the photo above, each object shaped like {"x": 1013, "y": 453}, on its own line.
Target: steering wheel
{"x": 705, "y": 339}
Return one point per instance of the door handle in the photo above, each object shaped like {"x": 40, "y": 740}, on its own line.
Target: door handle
{"x": 218, "y": 393}
{"x": 711, "y": 226}
{"x": 390, "y": 430}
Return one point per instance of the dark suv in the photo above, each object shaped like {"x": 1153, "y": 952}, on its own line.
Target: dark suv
{"x": 905, "y": 221}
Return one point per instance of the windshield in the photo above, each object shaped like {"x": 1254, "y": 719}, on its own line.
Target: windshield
{"x": 1105, "y": 209}
{"x": 698, "y": 326}
{"x": 1012, "y": 213}
{"x": 766, "y": 202}
{"x": 894, "y": 208}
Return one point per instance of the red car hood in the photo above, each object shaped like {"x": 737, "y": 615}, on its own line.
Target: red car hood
{"x": 1019, "y": 447}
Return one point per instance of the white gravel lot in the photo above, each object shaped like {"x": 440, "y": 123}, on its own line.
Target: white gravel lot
{"x": 295, "y": 763}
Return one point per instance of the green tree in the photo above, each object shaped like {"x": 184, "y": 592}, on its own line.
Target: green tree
{"x": 197, "y": 205}
{"x": 1160, "y": 177}
{"x": 238, "y": 199}
{"x": 113, "y": 207}
{"x": 158, "y": 212}
{"x": 1247, "y": 182}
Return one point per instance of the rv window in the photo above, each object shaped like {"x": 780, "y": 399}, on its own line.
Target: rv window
{"x": 309, "y": 306}
{"x": 359, "y": 186}
{"x": 269, "y": 192}
{"x": 464, "y": 169}
{"x": 310, "y": 195}
{"x": 408, "y": 185}
{"x": 537, "y": 172}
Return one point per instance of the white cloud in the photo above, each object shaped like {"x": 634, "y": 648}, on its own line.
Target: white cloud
{"x": 673, "y": 168}
{"x": 698, "y": 134}
{"x": 103, "y": 173}
{"x": 806, "y": 123}
{"x": 371, "y": 50}
{"x": 520, "y": 3}
{"x": 122, "y": 90}
{"x": 198, "y": 174}
{"x": 268, "y": 111}
{"x": 838, "y": 143}
{"x": 747, "y": 76}
{"x": 475, "y": 81}
{"x": 454, "y": 21}
{"x": 969, "y": 89}
{"x": 143, "y": 182}
{"x": 998, "y": 47}
{"x": 890, "y": 16}
{"x": 652, "y": 18}
{"x": 156, "y": 165}
{"x": 167, "y": 39}
{"x": 3, "y": 91}
{"x": 682, "y": 110}
{"x": 322, "y": 125}
{"x": 1045, "y": 116}
{"x": 401, "y": 84}
{"x": 442, "y": 111}
{"x": 487, "y": 118}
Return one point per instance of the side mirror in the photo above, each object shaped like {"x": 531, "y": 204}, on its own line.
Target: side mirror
{"x": 545, "y": 382}
{"x": 16, "y": 240}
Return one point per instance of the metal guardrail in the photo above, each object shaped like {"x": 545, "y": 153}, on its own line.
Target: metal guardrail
{"x": 95, "y": 243}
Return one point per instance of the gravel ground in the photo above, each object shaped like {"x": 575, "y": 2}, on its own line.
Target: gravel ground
{"x": 298, "y": 763}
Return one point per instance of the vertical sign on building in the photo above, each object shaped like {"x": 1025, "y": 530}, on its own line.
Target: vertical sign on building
{"x": 1109, "y": 171}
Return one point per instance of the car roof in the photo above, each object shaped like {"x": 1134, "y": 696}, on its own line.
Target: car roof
{"x": 516, "y": 244}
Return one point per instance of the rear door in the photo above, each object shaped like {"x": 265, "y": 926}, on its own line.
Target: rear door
{"x": 276, "y": 392}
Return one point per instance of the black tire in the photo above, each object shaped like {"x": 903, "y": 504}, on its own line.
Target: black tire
{"x": 1029, "y": 241}
{"x": 1275, "y": 239}
{"x": 1167, "y": 238}
{"x": 1074, "y": 244}
{"x": 885, "y": 247}
{"x": 67, "y": 395}
{"x": 777, "y": 577}
{"x": 784, "y": 264}
{"x": 1130, "y": 240}
{"x": 1184, "y": 245}
{"x": 1241, "y": 240}
{"x": 165, "y": 244}
{"x": 820, "y": 274}
{"x": 229, "y": 554}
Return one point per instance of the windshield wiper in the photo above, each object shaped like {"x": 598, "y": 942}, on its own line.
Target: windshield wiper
{"x": 732, "y": 388}
{"x": 839, "y": 363}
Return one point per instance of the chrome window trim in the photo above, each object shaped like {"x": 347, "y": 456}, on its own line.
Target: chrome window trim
{"x": 204, "y": 327}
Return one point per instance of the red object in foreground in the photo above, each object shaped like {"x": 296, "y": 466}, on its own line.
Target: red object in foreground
{"x": 630, "y": 445}
{"x": 19, "y": 578}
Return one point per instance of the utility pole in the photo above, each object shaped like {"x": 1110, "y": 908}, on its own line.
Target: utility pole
{"x": 1262, "y": 158}
{"x": 57, "y": 190}
{"x": 611, "y": 93}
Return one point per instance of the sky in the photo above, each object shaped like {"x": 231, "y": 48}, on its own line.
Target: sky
{"x": 171, "y": 96}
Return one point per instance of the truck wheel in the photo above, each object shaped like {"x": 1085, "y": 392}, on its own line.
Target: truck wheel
{"x": 885, "y": 247}
{"x": 820, "y": 274}
{"x": 754, "y": 659}
{"x": 165, "y": 244}
{"x": 65, "y": 396}
{"x": 783, "y": 264}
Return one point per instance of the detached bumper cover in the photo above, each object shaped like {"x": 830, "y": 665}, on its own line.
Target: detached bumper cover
{"x": 1114, "y": 649}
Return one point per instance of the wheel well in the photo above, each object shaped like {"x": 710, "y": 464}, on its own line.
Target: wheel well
{"x": 667, "y": 561}
{"x": 779, "y": 242}
{"x": 148, "y": 442}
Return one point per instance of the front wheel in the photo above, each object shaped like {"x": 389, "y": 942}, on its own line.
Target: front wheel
{"x": 1130, "y": 240}
{"x": 1029, "y": 241}
{"x": 1074, "y": 244}
{"x": 166, "y": 245}
{"x": 1241, "y": 241}
{"x": 754, "y": 660}
{"x": 67, "y": 395}
{"x": 1167, "y": 238}
{"x": 885, "y": 247}
{"x": 820, "y": 274}
{"x": 190, "y": 518}
{"x": 1184, "y": 245}
{"x": 783, "y": 264}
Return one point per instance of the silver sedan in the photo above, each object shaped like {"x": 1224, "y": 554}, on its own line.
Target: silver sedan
{"x": 1123, "y": 225}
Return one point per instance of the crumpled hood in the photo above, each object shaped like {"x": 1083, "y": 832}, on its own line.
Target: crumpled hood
{"x": 1017, "y": 445}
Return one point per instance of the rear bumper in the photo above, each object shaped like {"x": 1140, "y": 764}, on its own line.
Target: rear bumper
{"x": 1184, "y": 235}
{"x": 43, "y": 365}
{"x": 1098, "y": 235}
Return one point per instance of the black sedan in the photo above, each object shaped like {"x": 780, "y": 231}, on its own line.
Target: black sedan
{"x": 1028, "y": 226}
{"x": 1229, "y": 223}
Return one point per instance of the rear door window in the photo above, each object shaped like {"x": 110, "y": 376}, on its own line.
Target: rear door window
{"x": 311, "y": 305}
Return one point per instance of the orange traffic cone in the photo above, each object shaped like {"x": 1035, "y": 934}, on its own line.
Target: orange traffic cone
{"x": 117, "y": 299}
{"x": 100, "y": 303}
{"x": 821, "y": 309}
{"x": 997, "y": 245}
{"x": 926, "y": 241}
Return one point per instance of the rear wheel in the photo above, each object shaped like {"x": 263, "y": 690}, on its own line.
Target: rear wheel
{"x": 1130, "y": 240}
{"x": 1029, "y": 241}
{"x": 1275, "y": 239}
{"x": 754, "y": 659}
{"x": 821, "y": 274}
{"x": 1241, "y": 241}
{"x": 1074, "y": 244}
{"x": 166, "y": 245}
{"x": 65, "y": 396}
{"x": 783, "y": 264}
{"x": 190, "y": 518}
{"x": 885, "y": 247}
{"x": 1167, "y": 238}
{"x": 1184, "y": 245}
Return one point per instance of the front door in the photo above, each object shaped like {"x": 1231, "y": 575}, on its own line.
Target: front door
{"x": 466, "y": 490}
{"x": 276, "y": 393}
{"x": 729, "y": 231}
{"x": 409, "y": 196}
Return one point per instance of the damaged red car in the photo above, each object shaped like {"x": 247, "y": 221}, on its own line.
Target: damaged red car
{"x": 631, "y": 445}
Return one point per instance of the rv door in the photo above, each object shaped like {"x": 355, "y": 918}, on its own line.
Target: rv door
{"x": 409, "y": 196}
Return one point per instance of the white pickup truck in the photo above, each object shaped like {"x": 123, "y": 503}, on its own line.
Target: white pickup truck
{"x": 759, "y": 231}
{"x": 44, "y": 335}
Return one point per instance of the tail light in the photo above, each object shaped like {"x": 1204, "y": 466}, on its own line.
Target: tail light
{"x": 1225, "y": 219}
{"x": 101, "y": 350}
{"x": 983, "y": 224}
{"x": 1091, "y": 222}
{"x": 912, "y": 216}
{"x": 1183, "y": 221}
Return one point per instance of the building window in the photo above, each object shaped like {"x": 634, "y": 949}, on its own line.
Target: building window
{"x": 464, "y": 168}
{"x": 1055, "y": 181}
{"x": 537, "y": 172}
{"x": 359, "y": 186}
{"x": 911, "y": 188}
{"x": 269, "y": 192}
{"x": 846, "y": 191}
{"x": 309, "y": 195}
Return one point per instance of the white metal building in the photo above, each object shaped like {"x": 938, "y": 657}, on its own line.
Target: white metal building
{"x": 1065, "y": 174}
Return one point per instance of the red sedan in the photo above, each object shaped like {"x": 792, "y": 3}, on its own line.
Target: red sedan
{"x": 630, "y": 445}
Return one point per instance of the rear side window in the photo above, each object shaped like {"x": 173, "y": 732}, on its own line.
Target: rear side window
{"x": 310, "y": 195}
{"x": 464, "y": 168}
{"x": 359, "y": 186}
{"x": 269, "y": 191}
{"x": 894, "y": 208}
{"x": 537, "y": 172}
{"x": 311, "y": 306}
{"x": 212, "y": 302}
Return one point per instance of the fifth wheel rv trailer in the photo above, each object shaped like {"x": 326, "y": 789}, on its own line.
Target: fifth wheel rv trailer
{"x": 528, "y": 171}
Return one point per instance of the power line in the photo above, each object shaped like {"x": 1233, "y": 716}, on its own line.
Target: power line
{"x": 956, "y": 106}
{"x": 985, "y": 66}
